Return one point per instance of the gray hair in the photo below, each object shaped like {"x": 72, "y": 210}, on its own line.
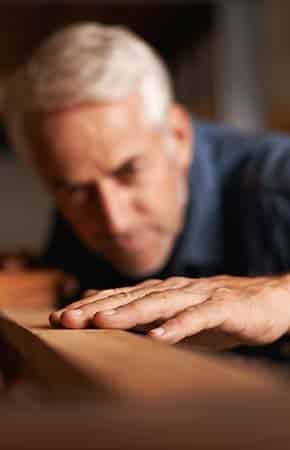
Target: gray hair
{"x": 88, "y": 62}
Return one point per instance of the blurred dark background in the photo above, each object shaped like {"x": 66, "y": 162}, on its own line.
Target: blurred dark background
{"x": 230, "y": 61}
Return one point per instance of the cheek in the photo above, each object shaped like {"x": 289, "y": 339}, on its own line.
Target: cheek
{"x": 159, "y": 197}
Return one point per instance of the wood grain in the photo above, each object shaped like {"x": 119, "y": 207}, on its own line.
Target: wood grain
{"x": 117, "y": 390}
{"x": 118, "y": 364}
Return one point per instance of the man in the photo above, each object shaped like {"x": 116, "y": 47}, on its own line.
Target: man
{"x": 153, "y": 209}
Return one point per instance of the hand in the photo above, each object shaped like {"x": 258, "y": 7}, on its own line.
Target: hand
{"x": 255, "y": 310}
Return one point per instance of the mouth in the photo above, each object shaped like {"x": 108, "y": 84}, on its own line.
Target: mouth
{"x": 134, "y": 242}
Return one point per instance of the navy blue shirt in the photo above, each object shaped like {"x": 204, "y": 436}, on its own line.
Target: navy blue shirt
{"x": 237, "y": 221}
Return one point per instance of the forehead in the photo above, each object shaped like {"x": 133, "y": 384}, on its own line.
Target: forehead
{"x": 102, "y": 133}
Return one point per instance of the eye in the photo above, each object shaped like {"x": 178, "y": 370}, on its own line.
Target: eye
{"x": 77, "y": 193}
{"x": 128, "y": 170}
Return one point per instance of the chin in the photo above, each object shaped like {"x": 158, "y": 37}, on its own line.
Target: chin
{"x": 139, "y": 270}
{"x": 139, "y": 264}
{"x": 138, "y": 273}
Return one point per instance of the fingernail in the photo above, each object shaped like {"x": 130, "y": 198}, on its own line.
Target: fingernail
{"x": 158, "y": 331}
{"x": 109, "y": 312}
{"x": 54, "y": 321}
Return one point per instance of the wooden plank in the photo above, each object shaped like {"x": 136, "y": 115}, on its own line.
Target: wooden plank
{"x": 193, "y": 400}
{"x": 47, "y": 368}
{"x": 116, "y": 364}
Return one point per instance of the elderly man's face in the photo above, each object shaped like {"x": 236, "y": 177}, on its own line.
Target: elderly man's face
{"x": 118, "y": 180}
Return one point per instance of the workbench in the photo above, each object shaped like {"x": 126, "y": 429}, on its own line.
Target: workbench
{"x": 126, "y": 380}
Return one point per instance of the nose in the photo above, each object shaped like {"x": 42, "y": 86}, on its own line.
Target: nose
{"x": 114, "y": 207}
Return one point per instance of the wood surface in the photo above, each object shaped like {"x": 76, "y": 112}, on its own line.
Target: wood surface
{"x": 198, "y": 423}
{"x": 120, "y": 365}
{"x": 113, "y": 390}
{"x": 30, "y": 287}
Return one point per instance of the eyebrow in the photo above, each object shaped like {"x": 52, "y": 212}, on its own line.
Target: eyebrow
{"x": 60, "y": 182}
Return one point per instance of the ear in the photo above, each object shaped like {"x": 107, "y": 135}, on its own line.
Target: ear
{"x": 181, "y": 132}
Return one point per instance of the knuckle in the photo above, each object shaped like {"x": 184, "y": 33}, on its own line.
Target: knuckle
{"x": 90, "y": 292}
{"x": 144, "y": 289}
{"x": 115, "y": 299}
{"x": 209, "y": 314}
{"x": 106, "y": 293}
{"x": 178, "y": 328}
{"x": 199, "y": 285}
{"x": 221, "y": 293}
{"x": 123, "y": 297}
{"x": 160, "y": 301}
{"x": 268, "y": 333}
{"x": 155, "y": 304}
{"x": 139, "y": 310}
{"x": 221, "y": 278}
{"x": 151, "y": 281}
{"x": 175, "y": 281}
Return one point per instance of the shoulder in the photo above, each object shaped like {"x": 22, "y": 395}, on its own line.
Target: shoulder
{"x": 254, "y": 159}
{"x": 228, "y": 137}
{"x": 226, "y": 148}
{"x": 268, "y": 167}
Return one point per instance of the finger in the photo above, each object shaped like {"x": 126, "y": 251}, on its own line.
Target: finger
{"x": 90, "y": 292}
{"x": 151, "y": 307}
{"x": 145, "y": 328}
{"x": 198, "y": 318}
{"x": 159, "y": 285}
{"x": 139, "y": 292}
{"x": 54, "y": 317}
{"x": 176, "y": 282}
{"x": 87, "y": 297}
{"x": 79, "y": 314}
{"x": 91, "y": 296}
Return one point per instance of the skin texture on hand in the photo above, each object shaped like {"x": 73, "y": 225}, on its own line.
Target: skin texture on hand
{"x": 255, "y": 310}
